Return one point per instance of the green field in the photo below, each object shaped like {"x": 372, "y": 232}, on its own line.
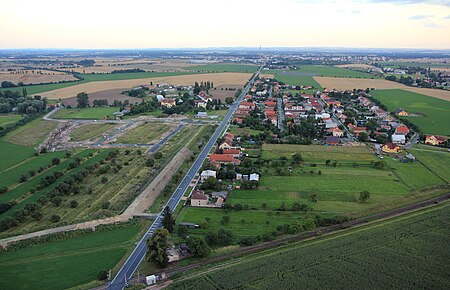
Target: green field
{"x": 412, "y": 63}
{"x": 436, "y": 112}
{"x": 144, "y": 134}
{"x": 437, "y": 161}
{"x": 31, "y": 134}
{"x": 298, "y": 81}
{"x": 408, "y": 252}
{"x": 331, "y": 71}
{"x": 8, "y": 119}
{"x": 240, "y": 68}
{"x": 89, "y": 131}
{"x": 95, "y": 113}
{"x": 66, "y": 263}
{"x": 11, "y": 175}
{"x": 12, "y": 154}
{"x": 36, "y": 89}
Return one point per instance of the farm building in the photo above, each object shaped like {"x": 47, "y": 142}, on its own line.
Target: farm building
{"x": 332, "y": 140}
{"x": 199, "y": 198}
{"x": 398, "y": 139}
{"x": 206, "y": 174}
{"x": 391, "y": 148}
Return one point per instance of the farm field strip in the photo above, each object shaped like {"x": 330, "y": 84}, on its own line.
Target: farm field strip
{"x": 94, "y": 113}
{"x": 12, "y": 155}
{"x": 90, "y": 131}
{"x": 9, "y": 119}
{"x": 417, "y": 241}
{"x": 31, "y": 134}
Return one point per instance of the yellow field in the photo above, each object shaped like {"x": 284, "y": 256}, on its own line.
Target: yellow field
{"x": 107, "y": 66}
{"x": 217, "y": 78}
{"x": 352, "y": 83}
{"x": 40, "y": 76}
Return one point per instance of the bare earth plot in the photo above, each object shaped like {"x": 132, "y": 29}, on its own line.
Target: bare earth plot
{"x": 147, "y": 65}
{"x": 353, "y": 83}
{"x": 109, "y": 95}
{"x": 217, "y": 78}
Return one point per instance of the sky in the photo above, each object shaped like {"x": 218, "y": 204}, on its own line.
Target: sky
{"x": 224, "y": 23}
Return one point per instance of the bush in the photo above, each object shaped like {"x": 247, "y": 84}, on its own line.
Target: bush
{"x": 3, "y": 189}
{"x": 73, "y": 204}
{"x": 104, "y": 179}
{"x": 55, "y": 218}
{"x": 102, "y": 275}
{"x": 106, "y": 204}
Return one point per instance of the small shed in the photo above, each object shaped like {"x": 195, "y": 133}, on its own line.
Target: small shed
{"x": 150, "y": 280}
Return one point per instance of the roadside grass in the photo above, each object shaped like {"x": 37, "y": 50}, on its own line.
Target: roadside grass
{"x": 66, "y": 263}
{"x": 12, "y": 154}
{"x": 417, "y": 241}
{"x": 10, "y": 176}
{"x": 146, "y": 133}
{"x": 436, "y": 112}
{"x": 9, "y": 119}
{"x": 31, "y": 134}
{"x": 90, "y": 131}
{"x": 437, "y": 161}
{"x": 95, "y": 113}
{"x": 240, "y": 68}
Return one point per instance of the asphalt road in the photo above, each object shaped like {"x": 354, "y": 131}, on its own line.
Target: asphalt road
{"x": 134, "y": 260}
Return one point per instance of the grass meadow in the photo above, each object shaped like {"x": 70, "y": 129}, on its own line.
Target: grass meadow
{"x": 144, "y": 134}
{"x": 435, "y": 112}
{"x": 9, "y": 119}
{"x": 90, "y": 131}
{"x": 94, "y": 113}
{"x": 31, "y": 134}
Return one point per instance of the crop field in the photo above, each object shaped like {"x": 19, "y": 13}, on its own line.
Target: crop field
{"x": 30, "y": 78}
{"x": 95, "y": 113}
{"x": 109, "y": 95}
{"x": 296, "y": 79}
{"x": 12, "y": 154}
{"x": 11, "y": 175}
{"x": 437, "y": 161}
{"x": 331, "y": 71}
{"x": 407, "y": 252}
{"x": 66, "y": 263}
{"x": 90, "y": 131}
{"x": 8, "y": 119}
{"x": 435, "y": 113}
{"x": 100, "y": 82}
{"x": 222, "y": 67}
{"x": 144, "y": 134}
{"x": 31, "y": 134}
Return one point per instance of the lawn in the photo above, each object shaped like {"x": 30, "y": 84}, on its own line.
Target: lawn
{"x": 31, "y": 134}
{"x": 435, "y": 112}
{"x": 12, "y": 154}
{"x": 407, "y": 252}
{"x": 240, "y": 68}
{"x": 144, "y": 134}
{"x": 95, "y": 113}
{"x": 236, "y": 130}
{"x": 437, "y": 161}
{"x": 8, "y": 119}
{"x": 66, "y": 263}
{"x": 89, "y": 131}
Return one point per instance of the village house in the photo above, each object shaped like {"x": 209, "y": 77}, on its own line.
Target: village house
{"x": 402, "y": 130}
{"x": 199, "y": 198}
{"x": 398, "y": 139}
{"x": 332, "y": 140}
{"x": 200, "y": 104}
{"x": 217, "y": 159}
{"x": 391, "y": 148}
{"x": 236, "y": 153}
{"x": 435, "y": 140}
{"x": 401, "y": 112}
{"x": 336, "y": 132}
{"x": 206, "y": 174}
{"x": 168, "y": 103}
{"x": 247, "y": 105}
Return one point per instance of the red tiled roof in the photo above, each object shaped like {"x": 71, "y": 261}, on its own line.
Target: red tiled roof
{"x": 402, "y": 129}
{"x": 231, "y": 151}
{"x": 199, "y": 194}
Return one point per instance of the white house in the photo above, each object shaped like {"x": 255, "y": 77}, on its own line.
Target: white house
{"x": 254, "y": 177}
{"x": 206, "y": 174}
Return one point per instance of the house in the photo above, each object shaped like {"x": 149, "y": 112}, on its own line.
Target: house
{"x": 200, "y": 104}
{"x": 201, "y": 115}
{"x": 206, "y": 174}
{"x": 391, "y": 148}
{"x": 337, "y": 132}
{"x": 168, "y": 103}
{"x": 398, "y": 139}
{"x": 150, "y": 280}
{"x": 402, "y": 130}
{"x": 236, "y": 153}
{"x": 173, "y": 254}
{"x": 332, "y": 140}
{"x": 254, "y": 177}
{"x": 435, "y": 140}
{"x": 219, "y": 202}
{"x": 247, "y": 105}
{"x": 223, "y": 158}
{"x": 217, "y": 194}
{"x": 226, "y": 145}
{"x": 401, "y": 112}
{"x": 199, "y": 198}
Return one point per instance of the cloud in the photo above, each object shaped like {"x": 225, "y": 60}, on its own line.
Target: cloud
{"x": 420, "y": 17}
{"x": 401, "y": 2}
{"x": 447, "y": 17}
{"x": 431, "y": 24}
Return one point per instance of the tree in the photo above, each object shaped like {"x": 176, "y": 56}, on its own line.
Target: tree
{"x": 199, "y": 247}
{"x": 363, "y": 137}
{"x": 156, "y": 248}
{"x": 168, "y": 219}
{"x": 364, "y": 195}
{"x": 55, "y": 161}
{"x": 3, "y": 189}
{"x": 73, "y": 204}
{"x": 102, "y": 275}
{"x": 150, "y": 162}
{"x": 55, "y": 218}
{"x": 297, "y": 158}
{"x": 82, "y": 100}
